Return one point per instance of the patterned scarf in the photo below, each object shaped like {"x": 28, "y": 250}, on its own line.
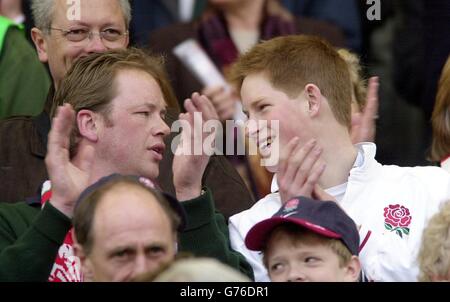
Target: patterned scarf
{"x": 67, "y": 267}
{"x": 215, "y": 38}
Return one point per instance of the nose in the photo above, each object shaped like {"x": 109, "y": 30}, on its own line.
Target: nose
{"x": 95, "y": 44}
{"x": 142, "y": 265}
{"x": 296, "y": 275}
{"x": 161, "y": 129}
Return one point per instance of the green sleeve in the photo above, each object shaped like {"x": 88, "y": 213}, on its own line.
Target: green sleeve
{"x": 29, "y": 241}
{"x": 206, "y": 234}
{"x": 24, "y": 81}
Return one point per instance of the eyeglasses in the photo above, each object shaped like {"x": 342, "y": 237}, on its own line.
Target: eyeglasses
{"x": 78, "y": 35}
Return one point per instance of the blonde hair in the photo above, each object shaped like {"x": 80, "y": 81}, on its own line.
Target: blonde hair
{"x": 90, "y": 82}
{"x": 434, "y": 255}
{"x": 359, "y": 84}
{"x": 196, "y": 270}
{"x": 440, "y": 146}
{"x": 299, "y": 235}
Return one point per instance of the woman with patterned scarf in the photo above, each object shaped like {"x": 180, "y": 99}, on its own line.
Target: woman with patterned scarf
{"x": 226, "y": 29}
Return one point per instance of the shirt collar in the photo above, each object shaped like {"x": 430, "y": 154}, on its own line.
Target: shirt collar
{"x": 274, "y": 187}
{"x": 364, "y": 150}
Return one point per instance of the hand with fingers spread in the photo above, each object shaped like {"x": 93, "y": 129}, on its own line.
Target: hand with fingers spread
{"x": 68, "y": 180}
{"x": 188, "y": 166}
{"x": 299, "y": 169}
{"x": 363, "y": 123}
{"x": 224, "y": 101}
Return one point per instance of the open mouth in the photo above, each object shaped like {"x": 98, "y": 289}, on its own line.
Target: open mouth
{"x": 265, "y": 144}
{"x": 158, "y": 151}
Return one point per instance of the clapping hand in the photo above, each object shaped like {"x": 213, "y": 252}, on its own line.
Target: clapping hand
{"x": 68, "y": 180}
{"x": 363, "y": 123}
{"x": 188, "y": 167}
{"x": 299, "y": 169}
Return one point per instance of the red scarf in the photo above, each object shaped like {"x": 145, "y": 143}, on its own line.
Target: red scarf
{"x": 67, "y": 267}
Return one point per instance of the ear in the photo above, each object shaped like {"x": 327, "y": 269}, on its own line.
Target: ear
{"x": 40, "y": 43}
{"x": 352, "y": 270}
{"x": 85, "y": 262}
{"x": 314, "y": 99}
{"x": 78, "y": 249}
{"x": 127, "y": 40}
{"x": 87, "y": 122}
{"x": 176, "y": 245}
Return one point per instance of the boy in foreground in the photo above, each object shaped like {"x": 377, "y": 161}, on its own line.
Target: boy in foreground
{"x": 308, "y": 240}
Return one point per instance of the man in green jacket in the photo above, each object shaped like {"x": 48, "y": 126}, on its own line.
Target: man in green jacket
{"x": 120, "y": 129}
{"x": 24, "y": 81}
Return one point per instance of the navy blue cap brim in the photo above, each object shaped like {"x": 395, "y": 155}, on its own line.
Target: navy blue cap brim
{"x": 257, "y": 236}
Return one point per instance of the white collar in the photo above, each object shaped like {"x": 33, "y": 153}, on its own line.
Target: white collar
{"x": 366, "y": 152}
{"x": 274, "y": 186}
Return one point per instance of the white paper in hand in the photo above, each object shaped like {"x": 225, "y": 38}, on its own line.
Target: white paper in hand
{"x": 197, "y": 61}
{"x": 192, "y": 55}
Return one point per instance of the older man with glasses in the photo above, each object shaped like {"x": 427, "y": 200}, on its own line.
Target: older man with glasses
{"x": 109, "y": 35}
{"x": 61, "y": 39}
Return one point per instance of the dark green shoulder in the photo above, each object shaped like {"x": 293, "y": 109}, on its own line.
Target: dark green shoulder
{"x": 19, "y": 208}
{"x": 17, "y": 217}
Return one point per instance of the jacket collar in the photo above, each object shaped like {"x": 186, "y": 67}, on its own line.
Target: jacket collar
{"x": 41, "y": 125}
{"x": 274, "y": 186}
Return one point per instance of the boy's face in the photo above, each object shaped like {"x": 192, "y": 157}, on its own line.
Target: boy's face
{"x": 305, "y": 260}
{"x": 266, "y": 105}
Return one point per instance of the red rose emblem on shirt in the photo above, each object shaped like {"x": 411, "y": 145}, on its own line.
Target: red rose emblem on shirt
{"x": 291, "y": 205}
{"x": 397, "y": 218}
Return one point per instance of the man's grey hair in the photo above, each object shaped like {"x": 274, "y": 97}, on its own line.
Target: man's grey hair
{"x": 43, "y": 12}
